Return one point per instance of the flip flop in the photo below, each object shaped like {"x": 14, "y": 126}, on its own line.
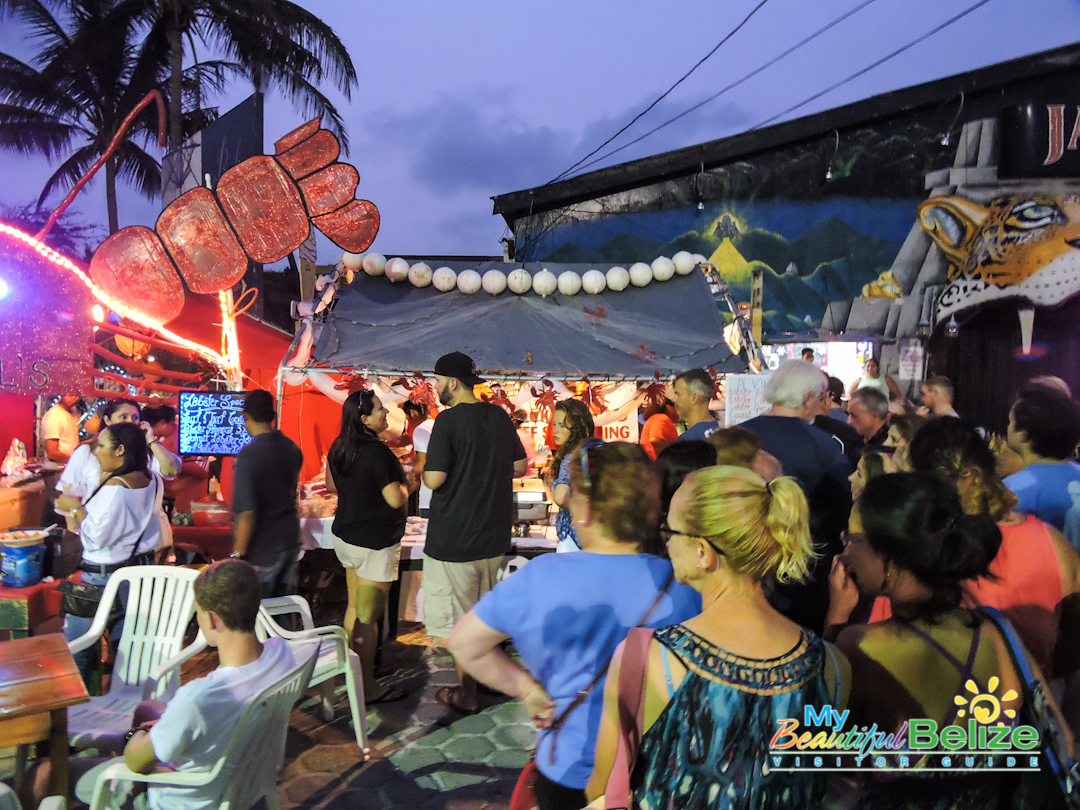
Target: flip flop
{"x": 389, "y": 696}
{"x": 447, "y": 696}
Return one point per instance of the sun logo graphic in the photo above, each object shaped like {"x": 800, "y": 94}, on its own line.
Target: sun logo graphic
{"x": 985, "y": 707}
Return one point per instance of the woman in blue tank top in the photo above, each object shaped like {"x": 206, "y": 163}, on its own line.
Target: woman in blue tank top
{"x": 717, "y": 686}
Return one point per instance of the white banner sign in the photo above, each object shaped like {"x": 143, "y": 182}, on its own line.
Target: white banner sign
{"x": 745, "y": 397}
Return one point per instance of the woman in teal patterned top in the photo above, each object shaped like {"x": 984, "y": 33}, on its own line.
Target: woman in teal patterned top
{"x": 717, "y": 685}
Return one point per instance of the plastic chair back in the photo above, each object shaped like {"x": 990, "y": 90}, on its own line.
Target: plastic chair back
{"x": 258, "y": 745}
{"x": 160, "y": 606}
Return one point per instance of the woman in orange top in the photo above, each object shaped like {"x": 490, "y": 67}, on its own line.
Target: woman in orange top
{"x": 659, "y": 430}
{"x": 1036, "y": 574}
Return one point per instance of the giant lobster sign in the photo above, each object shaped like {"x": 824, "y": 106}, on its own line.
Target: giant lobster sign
{"x": 262, "y": 210}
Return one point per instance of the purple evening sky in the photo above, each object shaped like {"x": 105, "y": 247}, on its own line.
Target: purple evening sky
{"x": 461, "y": 101}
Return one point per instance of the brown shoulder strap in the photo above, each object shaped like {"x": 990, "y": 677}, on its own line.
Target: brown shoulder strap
{"x": 635, "y": 664}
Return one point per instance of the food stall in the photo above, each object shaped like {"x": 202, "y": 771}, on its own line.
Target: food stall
{"x": 537, "y": 335}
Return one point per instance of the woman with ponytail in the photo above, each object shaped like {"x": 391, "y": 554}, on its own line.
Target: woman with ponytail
{"x": 717, "y": 685}
{"x": 908, "y": 539}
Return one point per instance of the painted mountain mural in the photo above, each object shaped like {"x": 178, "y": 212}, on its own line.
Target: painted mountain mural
{"x": 829, "y": 261}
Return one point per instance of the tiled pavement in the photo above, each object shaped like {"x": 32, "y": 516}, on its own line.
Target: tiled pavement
{"x": 423, "y": 755}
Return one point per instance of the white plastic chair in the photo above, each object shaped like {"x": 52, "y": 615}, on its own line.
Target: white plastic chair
{"x": 510, "y": 565}
{"x": 160, "y": 605}
{"x": 335, "y": 658}
{"x": 253, "y": 753}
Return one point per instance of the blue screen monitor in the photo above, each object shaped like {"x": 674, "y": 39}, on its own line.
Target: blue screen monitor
{"x": 212, "y": 423}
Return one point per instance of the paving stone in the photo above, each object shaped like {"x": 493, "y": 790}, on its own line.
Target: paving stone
{"x": 301, "y": 789}
{"x": 453, "y": 781}
{"x": 476, "y": 724}
{"x": 330, "y": 759}
{"x": 414, "y": 757}
{"x": 468, "y": 748}
{"x": 438, "y": 736}
{"x": 517, "y": 736}
{"x": 358, "y": 799}
{"x": 515, "y": 758}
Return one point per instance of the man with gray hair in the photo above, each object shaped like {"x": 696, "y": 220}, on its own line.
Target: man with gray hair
{"x": 693, "y": 392}
{"x": 868, "y": 413}
{"x": 796, "y": 391}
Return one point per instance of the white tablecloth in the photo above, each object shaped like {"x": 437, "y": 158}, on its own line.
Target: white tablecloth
{"x": 318, "y": 533}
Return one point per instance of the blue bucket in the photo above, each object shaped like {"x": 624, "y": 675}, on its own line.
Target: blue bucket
{"x": 20, "y": 565}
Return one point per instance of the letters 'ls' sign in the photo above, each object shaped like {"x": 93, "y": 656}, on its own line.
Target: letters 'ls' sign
{"x": 45, "y": 325}
{"x": 1040, "y": 140}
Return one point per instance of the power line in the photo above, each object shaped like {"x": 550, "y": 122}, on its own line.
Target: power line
{"x": 870, "y": 67}
{"x": 731, "y": 86}
{"x": 664, "y": 95}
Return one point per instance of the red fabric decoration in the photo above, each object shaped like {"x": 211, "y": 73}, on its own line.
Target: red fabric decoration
{"x": 498, "y": 397}
{"x": 593, "y": 398}
{"x": 656, "y": 391}
{"x": 546, "y": 398}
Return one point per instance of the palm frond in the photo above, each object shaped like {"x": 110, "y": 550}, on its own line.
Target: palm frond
{"x": 139, "y": 169}
{"x": 69, "y": 172}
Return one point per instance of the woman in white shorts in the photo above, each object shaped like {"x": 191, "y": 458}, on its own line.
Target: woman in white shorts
{"x": 368, "y": 527}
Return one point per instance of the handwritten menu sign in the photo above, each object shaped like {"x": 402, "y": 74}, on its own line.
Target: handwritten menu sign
{"x": 745, "y": 397}
{"x": 212, "y": 423}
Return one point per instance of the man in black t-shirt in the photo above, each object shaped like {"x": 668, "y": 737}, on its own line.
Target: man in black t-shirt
{"x": 266, "y": 527}
{"x": 472, "y": 458}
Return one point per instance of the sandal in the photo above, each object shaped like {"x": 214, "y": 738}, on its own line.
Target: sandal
{"x": 448, "y": 696}
{"x": 389, "y": 696}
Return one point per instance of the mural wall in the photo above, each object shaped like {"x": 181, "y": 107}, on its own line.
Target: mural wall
{"x": 887, "y": 231}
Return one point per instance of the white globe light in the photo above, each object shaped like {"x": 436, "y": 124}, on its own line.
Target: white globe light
{"x": 420, "y": 275}
{"x": 444, "y": 279}
{"x": 640, "y": 274}
{"x": 468, "y": 281}
{"x": 663, "y": 268}
{"x": 353, "y": 261}
{"x": 569, "y": 282}
{"x": 374, "y": 264}
{"x": 593, "y": 282}
{"x": 544, "y": 283}
{"x": 684, "y": 262}
{"x": 617, "y": 279}
{"x": 519, "y": 281}
{"x": 397, "y": 270}
{"x": 494, "y": 281}
{"x": 699, "y": 259}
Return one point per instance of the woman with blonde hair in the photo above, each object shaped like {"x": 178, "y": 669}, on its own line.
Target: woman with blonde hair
{"x": 716, "y": 685}
{"x": 566, "y": 613}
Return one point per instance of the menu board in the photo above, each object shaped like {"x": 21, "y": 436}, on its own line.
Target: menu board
{"x": 212, "y": 423}
{"x": 745, "y": 397}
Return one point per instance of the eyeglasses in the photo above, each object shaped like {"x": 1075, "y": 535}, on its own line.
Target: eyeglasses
{"x": 847, "y": 538}
{"x": 666, "y": 533}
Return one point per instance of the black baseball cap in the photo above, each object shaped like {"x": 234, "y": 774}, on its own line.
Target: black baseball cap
{"x": 458, "y": 365}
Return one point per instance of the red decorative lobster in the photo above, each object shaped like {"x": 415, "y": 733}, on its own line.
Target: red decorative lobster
{"x": 262, "y": 209}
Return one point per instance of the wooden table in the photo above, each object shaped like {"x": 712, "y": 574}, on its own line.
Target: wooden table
{"x": 38, "y": 681}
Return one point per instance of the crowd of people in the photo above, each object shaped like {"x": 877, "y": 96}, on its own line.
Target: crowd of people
{"x": 812, "y": 556}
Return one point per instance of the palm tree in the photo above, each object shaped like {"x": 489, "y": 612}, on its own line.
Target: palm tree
{"x": 277, "y": 42}
{"x": 90, "y": 72}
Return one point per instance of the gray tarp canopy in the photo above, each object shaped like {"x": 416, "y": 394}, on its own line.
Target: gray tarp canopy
{"x": 667, "y": 326}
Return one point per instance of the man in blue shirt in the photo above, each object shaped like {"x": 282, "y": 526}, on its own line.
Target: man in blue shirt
{"x": 693, "y": 392}
{"x": 796, "y": 391}
{"x": 1044, "y": 429}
